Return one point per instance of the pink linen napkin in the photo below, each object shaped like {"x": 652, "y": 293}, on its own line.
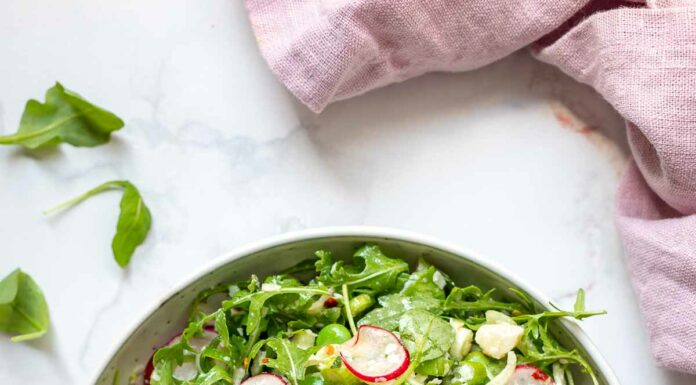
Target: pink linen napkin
{"x": 640, "y": 56}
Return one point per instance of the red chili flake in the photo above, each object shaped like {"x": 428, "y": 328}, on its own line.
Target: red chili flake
{"x": 264, "y": 360}
{"x": 330, "y": 302}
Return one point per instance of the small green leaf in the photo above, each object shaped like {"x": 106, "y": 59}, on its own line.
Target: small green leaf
{"x": 257, "y": 301}
{"x": 64, "y": 117}
{"x": 472, "y": 299}
{"x": 395, "y": 305}
{"x": 580, "y": 301}
{"x": 423, "y": 282}
{"x": 23, "y": 308}
{"x": 290, "y": 360}
{"x": 539, "y": 347}
{"x": 374, "y": 272}
{"x": 414, "y": 324}
{"x": 133, "y": 222}
{"x": 216, "y": 375}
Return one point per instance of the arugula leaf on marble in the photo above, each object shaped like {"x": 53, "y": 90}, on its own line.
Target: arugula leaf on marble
{"x": 23, "y": 308}
{"x": 133, "y": 222}
{"x": 64, "y": 117}
{"x": 375, "y": 272}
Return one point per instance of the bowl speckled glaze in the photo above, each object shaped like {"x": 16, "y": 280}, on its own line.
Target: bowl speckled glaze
{"x": 168, "y": 317}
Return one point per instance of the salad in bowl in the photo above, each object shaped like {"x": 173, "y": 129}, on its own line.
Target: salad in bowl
{"x": 369, "y": 319}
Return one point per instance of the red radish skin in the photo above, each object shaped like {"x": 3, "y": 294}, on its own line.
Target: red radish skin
{"x": 530, "y": 375}
{"x": 150, "y": 367}
{"x": 367, "y": 354}
{"x": 265, "y": 379}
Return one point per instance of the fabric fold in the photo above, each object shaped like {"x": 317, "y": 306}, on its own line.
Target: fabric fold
{"x": 325, "y": 51}
{"x": 639, "y": 55}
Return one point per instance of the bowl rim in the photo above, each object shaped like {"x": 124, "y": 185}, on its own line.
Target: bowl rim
{"x": 355, "y": 231}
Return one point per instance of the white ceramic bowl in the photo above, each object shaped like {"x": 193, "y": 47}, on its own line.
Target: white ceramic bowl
{"x": 168, "y": 317}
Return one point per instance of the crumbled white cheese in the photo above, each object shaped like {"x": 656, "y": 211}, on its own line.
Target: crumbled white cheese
{"x": 496, "y": 340}
{"x": 270, "y": 287}
{"x": 462, "y": 339}
{"x": 496, "y": 317}
{"x": 463, "y": 374}
{"x": 439, "y": 279}
{"x": 304, "y": 339}
{"x": 317, "y": 306}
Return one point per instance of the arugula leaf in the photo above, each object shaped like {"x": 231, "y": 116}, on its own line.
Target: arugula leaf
{"x": 214, "y": 376}
{"x": 538, "y": 345}
{"x": 580, "y": 301}
{"x": 419, "y": 292}
{"x": 375, "y": 272}
{"x": 395, "y": 305}
{"x": 578, "y": 313}
{"x": 417, "y": 354}
{"x": 64, "y": 117}
{"x": 290, "y": 359}
{"x": 215, "y": 361}
{"x": 423, "y": 282}
{"x": 414, "y": 324}
{"x": 165, "y": 373}
{"x": 23, "y": 308}
{"x": 257, "y": 301}
{"x": 133, "y": 222}
{"x": 472, "y": 299}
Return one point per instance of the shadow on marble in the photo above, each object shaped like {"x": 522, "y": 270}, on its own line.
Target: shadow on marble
{"x": 515, "y": 81}
{"x": 680, "y": 378}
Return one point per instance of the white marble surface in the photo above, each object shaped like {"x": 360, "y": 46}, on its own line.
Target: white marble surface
{"x": 224, "y": 155}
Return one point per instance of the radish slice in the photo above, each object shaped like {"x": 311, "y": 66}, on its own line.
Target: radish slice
{"x": 265, "y": 379}
{"x": 530, "y": 375}
{"x": 187, "y": 370}
{"x": 375, "y": 355}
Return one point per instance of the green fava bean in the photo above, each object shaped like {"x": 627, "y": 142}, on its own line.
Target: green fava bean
{"x": 339, "y": 376}
{"x": 490, "y": 367}
{"x": 438, "y": 367}
{"x": 471, "y": 373}
{"x": 313, "y": 379}
{"x": 333, "y": 334}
